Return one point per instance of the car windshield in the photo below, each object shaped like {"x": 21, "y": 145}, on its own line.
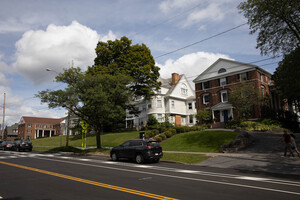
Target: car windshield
{"x": 152, "y": 143}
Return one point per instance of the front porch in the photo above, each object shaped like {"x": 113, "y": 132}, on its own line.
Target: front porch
{"x": 222, "y": 112}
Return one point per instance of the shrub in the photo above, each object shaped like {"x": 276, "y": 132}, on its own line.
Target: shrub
{"x": 152, "y": 121}
{"x": 163, "y": 136}
{"x": 158, "y": 139}
{"x": 168, "y": 133}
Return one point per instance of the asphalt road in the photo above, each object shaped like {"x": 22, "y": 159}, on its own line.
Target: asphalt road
{"x": 54, "y": 176}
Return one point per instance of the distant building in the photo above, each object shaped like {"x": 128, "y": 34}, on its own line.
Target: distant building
{"x": 213, "y": 87}
{"x": 37, "y": 127}
{"x": 175, "y": 101}
{"x": 11, "y": 132}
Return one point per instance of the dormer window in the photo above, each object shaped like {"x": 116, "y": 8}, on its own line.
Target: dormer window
{"x": 184, "y": 90}
{"x": 222, "y": 70}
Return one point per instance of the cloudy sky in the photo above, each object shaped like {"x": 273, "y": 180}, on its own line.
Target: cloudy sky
{"x": 40, "y": 34}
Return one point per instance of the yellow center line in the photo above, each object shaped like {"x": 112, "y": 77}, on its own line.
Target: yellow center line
{"x": 113, "y": 187}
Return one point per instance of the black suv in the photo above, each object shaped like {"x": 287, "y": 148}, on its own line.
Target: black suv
{"x": 139, "y": 150}
{"x": 23, "y": 145}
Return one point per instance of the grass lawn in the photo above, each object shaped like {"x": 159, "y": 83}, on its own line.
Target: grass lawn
{"x": 184, "y": 158}
{"x": 198, "y": 141}
{"x": 107, "y": 140}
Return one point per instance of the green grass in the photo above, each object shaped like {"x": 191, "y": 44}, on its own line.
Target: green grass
{"x": 107, "y": 140}
{"x": 198, "y": 141}
{"x": 184, "y": 158}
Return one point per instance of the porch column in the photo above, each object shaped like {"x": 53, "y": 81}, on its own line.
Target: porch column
{"x": 43, "y": 133}
{"x": 231, "y": 112}
{"x": 50, "y": 133}
{"x": 213, "y": 115}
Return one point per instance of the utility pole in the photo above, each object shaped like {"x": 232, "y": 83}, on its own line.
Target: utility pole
{"x": 3, "y": 118}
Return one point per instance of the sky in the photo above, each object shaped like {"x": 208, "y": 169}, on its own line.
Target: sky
{"x": 184, "y": 36}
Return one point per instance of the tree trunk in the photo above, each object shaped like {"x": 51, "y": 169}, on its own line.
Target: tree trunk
{"x": 68, "y": 129}
{"x": 98, "y": 138}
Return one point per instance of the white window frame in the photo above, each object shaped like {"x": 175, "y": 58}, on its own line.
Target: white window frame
{"x": 203, "y": 98}
{"x": 159, "y": 103}
{"x": 190, "y": 106}
{"x": 223, "y": 81}
{"x": 172, "y": 104}
{"x": 222, "y": 97}
{"x": 159, "y": 117}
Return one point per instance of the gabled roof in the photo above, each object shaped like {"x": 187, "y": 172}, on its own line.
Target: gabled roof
{"x": 40, "y": 120}
{"x": 229, "y": 67}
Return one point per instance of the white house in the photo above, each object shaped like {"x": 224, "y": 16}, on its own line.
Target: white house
{"x": 175, "y": 101}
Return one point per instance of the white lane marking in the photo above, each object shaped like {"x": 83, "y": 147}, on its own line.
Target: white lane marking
{"x": 224, "y": 175}
{"x": 177, "y": 177}
{"x": 251, "y": 178}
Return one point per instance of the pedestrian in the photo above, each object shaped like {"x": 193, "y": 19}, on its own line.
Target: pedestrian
{"x": 286, "y": 138}
{"x": 294, "y": 145}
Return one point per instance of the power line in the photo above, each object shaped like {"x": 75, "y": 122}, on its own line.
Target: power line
{"x": 213, "y": 36}
{"x": 169, "y": 19}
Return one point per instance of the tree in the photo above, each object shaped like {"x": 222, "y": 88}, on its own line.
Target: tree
{"x": 244, "y": 97}
{"x": 99, "y": 99}
{"x": 277, "y": 24}
{"x": 286, "y": 78}
{"x": 204, "y": 115}
{"x": 136, "y": 61}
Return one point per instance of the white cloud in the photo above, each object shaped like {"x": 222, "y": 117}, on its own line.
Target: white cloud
{"x": 54, "y": 48}
{"x": 191, "y": 64}
{"x": 171, "y": 5}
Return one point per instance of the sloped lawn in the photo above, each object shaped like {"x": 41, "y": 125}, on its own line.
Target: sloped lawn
{"x": 198, "y": 141}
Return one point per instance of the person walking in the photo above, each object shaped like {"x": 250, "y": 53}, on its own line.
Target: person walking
{"x": 294, "y": 145}
{"x": 286, "y": 138}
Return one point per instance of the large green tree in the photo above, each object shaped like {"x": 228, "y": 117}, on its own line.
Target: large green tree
{"x": 244, "y": 97}
{"x": 136, "y": 61}
{"x": 287, "y": 78}
{"x": 277, "y": 24}
{"x": 99, "y": 99}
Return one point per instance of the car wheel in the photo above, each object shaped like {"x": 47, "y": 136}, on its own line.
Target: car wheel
{"x": 139, "y": 159}
{"x": 114, "y": 156}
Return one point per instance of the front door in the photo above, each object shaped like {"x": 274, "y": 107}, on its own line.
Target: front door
{"x": 177, "y": 120}
{"x": 225, "y": 113}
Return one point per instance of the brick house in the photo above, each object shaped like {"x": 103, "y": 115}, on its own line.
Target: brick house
{"x": 36, "y": 127}
{"x": 213, "y": 86}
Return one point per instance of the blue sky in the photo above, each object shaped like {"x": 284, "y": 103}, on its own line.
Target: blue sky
{"x": 40, "y": 34}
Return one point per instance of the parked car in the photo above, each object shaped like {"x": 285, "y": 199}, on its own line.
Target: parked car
{"x": 23, "y": 145}
{"x": 8, "y": 145}
{"x": 139, "y": 150}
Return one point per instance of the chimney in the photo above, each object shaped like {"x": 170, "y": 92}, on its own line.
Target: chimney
{"x": 175, "y": 78}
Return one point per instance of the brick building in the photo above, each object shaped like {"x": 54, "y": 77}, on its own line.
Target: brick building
{"x": 213, "y": 86}
{"x": 36, "y": 127}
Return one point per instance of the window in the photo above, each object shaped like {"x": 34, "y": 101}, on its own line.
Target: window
{"x": 191, "y": 119}
{"x": 37, "y": 126}
{"x": 223, "y": 81}
{"x": 261, "y": 77}
{"x": 224, "y": 96}
{"x": 28, "y": 131}
{"x": 243, "y": 76}
{"x": 29, "y": 125}
{"x": 184, "y": 90}
{"x": 44, "y": 126}
{"x": 144, "y": 108}
{"x": 149, "y": 105}
{"x": 172, "y": 104}
{"x": 222, "y": 70}
{"x": 205, "y": 85}
{"x": 159, "y": 105}
{"x": 159, "y": 117}
{"x": 51, "y": 126}
{"x": 190, "y": 106}
{"x": 262, "y": 91}
{"x": 206, "y": 98}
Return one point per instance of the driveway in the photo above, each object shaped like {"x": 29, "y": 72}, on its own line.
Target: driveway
{"x": 265, "y": 155}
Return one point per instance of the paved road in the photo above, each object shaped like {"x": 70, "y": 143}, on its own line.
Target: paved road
{"x": 55, "y": 176}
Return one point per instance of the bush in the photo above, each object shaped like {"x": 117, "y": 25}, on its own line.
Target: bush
{"x": 163, "y": 136}
{"x": 152, "y": 121}
{"x": 158, "y": 139}
{"x": 169, "y": 134}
